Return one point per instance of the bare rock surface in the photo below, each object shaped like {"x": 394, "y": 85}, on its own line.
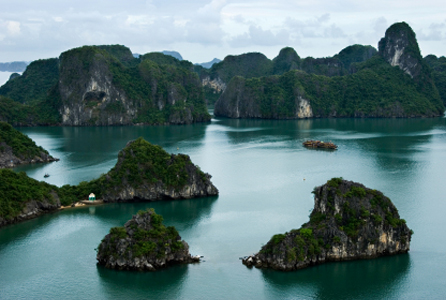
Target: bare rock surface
{"x": 348, "y": 222}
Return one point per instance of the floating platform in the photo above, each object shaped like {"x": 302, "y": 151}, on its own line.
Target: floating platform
{"x": 92, "y": 202}
{"x": 319, "y": 144}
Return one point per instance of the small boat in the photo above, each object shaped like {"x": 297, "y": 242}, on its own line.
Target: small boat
{"x": 46, "y": 175}
{"x": 319, "y": 144}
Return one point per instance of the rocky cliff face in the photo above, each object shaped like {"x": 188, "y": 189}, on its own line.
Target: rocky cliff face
{"x": 215, "y": 84}
{"x": 325, "y": 88}
{"x": 34, "y": 208}
{"x": 399, "y": 47}
{"x": 348, "y": 222}
{"x": 145, "y": 172}
{"x": 106, "y": 85}
{"x": 9, "y": 160}
{"x": 259, "y": 98}
{"x": 87, "y": 91}
{"x": 144, "y": 243}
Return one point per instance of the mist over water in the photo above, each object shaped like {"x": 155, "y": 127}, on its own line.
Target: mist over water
{"x": 265, "y": 178}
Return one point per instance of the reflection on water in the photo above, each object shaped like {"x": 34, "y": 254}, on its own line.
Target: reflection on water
{"x": 163, "y": 284}
{"x": 259, "y": 167}
{"x": 375, "y": 279}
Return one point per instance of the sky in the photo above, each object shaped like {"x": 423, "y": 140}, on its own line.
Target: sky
{"x": 203, "y": 29}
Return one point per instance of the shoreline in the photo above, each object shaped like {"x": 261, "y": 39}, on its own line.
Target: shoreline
{"x": 83, "y": 203}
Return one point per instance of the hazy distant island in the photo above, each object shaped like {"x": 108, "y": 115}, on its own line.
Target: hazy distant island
{"x": 348, "y": 222}
{"x": 15, "y": 66}
{"x": 17, "y": 148}
{"x": 143, "y": 243}
{"x": 144, "y": 172}
{"x": 358, "y": 82}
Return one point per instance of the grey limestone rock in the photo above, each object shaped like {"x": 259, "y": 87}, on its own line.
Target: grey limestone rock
{"x": 348, "y": 222}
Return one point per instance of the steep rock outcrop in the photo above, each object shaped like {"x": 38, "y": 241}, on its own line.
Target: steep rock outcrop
{"x": 263, "y": 98}
{"x": 372, "y": 88}
{"x": 145, "y": 172}
{"x": 17, "y": 148}
{"x": 106, "y": 85}
{"x": 287, "y": 60}
{"x": 144, "y": 243}
{"x": 399, "y": 47}
{"x": 87, "y": 91}
{"x": 348, "y": 222}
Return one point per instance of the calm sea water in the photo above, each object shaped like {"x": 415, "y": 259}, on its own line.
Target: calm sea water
{"x": 265, "y": 178}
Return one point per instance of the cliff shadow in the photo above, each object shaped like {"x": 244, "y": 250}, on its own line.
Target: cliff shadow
{"x": 375, "y": 279}
{"x": 182, "y": 214}
{"x": 162, "y": 284}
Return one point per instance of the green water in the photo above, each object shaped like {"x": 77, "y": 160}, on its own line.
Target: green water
{"x": 259, "y": 167}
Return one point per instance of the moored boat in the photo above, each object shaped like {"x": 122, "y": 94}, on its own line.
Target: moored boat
{"x": 319, "y": 144}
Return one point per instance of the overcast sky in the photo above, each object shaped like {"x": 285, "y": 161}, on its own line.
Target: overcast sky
{"x": 203, "y": 29}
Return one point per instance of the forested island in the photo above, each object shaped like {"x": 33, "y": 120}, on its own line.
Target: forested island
{"x": 17, "y": 148}
{"x": 144, "y": 172}
{"x": 348, "y": 222}
{"x": 143, "y": 243}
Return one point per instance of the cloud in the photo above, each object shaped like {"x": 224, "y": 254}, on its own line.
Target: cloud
{"x": 257, "y": 36}
{"x": 334, "y": 32}
{"x": 39, "y": 29}
{"x": 435, "y": 32}
{"x": 13, "y": 27}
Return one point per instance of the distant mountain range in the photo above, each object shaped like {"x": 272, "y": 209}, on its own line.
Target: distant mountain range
{"x": 106, "y": 85}
{"x": 15, "y": 66}
{"x": 178, "y": 56}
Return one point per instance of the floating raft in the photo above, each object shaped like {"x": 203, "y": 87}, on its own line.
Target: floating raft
{"x": 91, "y": 202}
{"x": 319, "y": 144}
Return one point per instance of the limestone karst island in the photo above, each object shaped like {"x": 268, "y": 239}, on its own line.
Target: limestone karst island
{"x": 107, "y": 151}
{"x": 143, "y": 243}
{"x": 144, "y": 172}
{"x": 348, "y": 222}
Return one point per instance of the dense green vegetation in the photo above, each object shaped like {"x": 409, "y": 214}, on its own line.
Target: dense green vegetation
{"x": 247, "y": 65}
{"x": 376, "y": 89}
{"x": 161, "y": 88}
{"x": 401, "y": 34}
{"x": 122, "y": 53}
{"x": 153, "y": 242}
{"x": 438, "y": 66}
{"x": 355, "y": 54}
{"x": 329, "y": 227}
{"x": 16, "y": 189}
{"x": 139, "y": 163}
{"x": 22, "y": 146}
{"x": 287, "y": 60}
{"x": 142, "y": 162}
{"x": 16, "y": 113}
{"x": 252, "y": 65}
{"x": 33, "y": 86}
